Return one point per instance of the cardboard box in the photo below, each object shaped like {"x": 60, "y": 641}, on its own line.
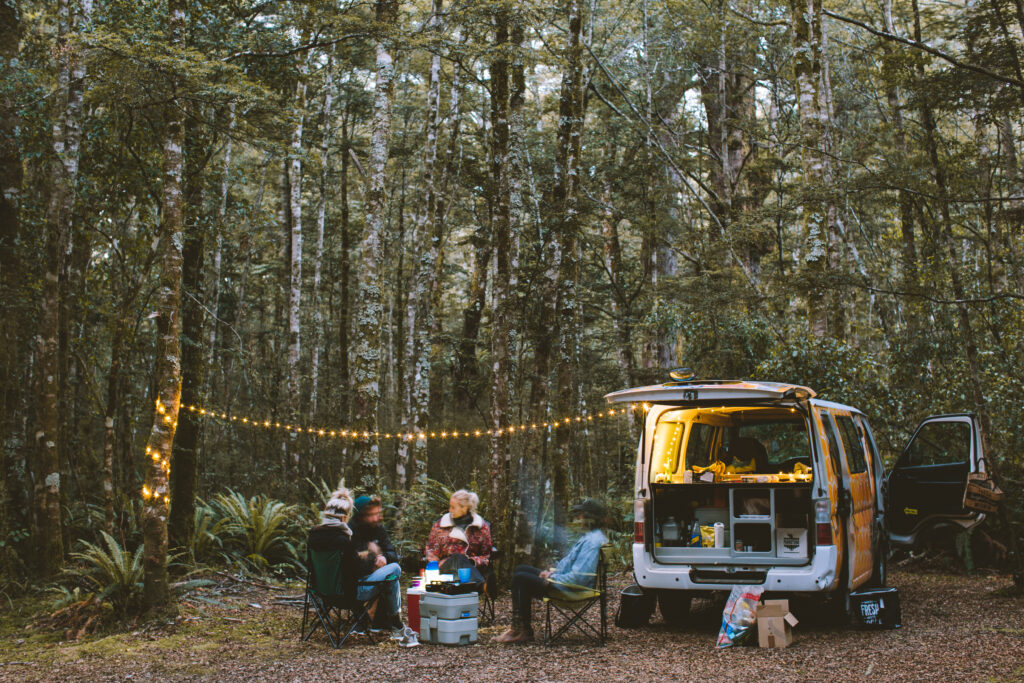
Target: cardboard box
{"x": 775, "y": 623}
{"x": 790, "y": 542}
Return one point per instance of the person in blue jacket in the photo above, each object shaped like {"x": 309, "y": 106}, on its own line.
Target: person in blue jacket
{"x": 577, "y": 568}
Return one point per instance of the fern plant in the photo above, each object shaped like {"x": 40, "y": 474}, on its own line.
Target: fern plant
{"x": 207, "y": 542}
{"x": 260, "y": 532}
{"x": 114, "y": 573}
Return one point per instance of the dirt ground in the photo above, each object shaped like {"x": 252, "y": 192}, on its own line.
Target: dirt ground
{"x": 955, "y": 628}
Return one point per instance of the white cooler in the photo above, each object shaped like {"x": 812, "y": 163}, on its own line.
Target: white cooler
{"x": 449, "y": 619}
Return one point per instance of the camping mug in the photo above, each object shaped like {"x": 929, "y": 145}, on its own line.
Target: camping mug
{"x": 465, "y": 575}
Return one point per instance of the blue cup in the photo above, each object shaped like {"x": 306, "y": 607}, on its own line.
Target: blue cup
{"x": 465, "y": 575}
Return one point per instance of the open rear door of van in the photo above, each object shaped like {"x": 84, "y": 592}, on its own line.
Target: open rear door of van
{"x": 927, "y": 485}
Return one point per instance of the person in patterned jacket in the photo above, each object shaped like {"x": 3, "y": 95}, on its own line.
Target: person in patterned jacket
{"x": 461, "y": 538}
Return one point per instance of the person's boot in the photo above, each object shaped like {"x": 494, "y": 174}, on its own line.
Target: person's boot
{"x": 523, "y": 635}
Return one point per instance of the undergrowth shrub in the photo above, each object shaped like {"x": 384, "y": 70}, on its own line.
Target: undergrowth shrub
{"x": 259, "y": 533}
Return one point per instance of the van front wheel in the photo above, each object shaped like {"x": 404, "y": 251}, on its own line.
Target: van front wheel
{"x": 674, "y": 606}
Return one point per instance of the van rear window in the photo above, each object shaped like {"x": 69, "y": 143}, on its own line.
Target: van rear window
{"x": 729, "y": 441}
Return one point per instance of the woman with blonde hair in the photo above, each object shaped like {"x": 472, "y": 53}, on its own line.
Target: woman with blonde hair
{"x": 461, "y": 538}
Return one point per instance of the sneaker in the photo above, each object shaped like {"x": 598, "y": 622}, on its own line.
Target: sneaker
{"x": 398, "y": 633}
{"x": 410, "y": 639}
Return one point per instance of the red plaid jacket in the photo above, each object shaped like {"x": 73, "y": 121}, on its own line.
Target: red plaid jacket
{"x": 475, "y": 543}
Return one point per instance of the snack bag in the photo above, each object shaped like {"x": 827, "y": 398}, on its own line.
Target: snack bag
{"x": 707, "y": 536}
{"x": 739, "y": 615}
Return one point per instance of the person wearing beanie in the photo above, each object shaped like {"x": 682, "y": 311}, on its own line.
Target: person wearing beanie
{"x": 378, "y": 560}
{"x": 577, "y": 568}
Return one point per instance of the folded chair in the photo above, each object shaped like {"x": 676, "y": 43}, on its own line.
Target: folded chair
{"x": 335, "y": 609}
{"x": 574, "y": 604}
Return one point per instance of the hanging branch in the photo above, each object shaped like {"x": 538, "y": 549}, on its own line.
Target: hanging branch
{"x": 926, "y": 48}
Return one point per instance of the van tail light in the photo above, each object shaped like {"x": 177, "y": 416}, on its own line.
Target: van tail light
{"x": 823, "y": 522}
{"x": 638, "y": 521}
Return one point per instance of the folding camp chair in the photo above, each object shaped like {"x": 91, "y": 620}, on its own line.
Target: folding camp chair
{"x": 574, "y": 602}
{"x": 326, "y": 594}
{"x": 490, "y": 591}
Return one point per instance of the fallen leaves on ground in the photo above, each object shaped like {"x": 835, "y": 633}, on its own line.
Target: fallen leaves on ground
{"x": 954, "y": 628}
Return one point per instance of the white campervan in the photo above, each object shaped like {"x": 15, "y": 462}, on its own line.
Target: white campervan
{"x": 742, "y": 482}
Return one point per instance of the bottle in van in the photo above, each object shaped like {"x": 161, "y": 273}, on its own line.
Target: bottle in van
{"x": 670, "y": 531}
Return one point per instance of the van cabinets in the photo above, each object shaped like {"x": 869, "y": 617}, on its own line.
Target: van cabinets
{"x": 761, "y": 524}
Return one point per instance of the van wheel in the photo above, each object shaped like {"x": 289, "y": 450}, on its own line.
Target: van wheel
{"x": 674, "y": 606}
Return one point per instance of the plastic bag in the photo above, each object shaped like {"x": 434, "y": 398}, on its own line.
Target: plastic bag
{"x": 740, "y": 615}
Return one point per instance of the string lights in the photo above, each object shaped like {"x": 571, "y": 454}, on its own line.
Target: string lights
{"x": 355, "y": 434}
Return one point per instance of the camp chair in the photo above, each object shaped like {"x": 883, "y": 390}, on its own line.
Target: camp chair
{"x": 490, "y": 591}
{"x": 574, "y": 602}
{"x": 326, "y": 595}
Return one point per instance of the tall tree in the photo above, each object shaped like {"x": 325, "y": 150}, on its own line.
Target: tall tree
{"x": 501, "y": 296}
{"x": 155, "y": 491}
{"x": 566, "y": 232}
{"x": 369, "y": 314}
{"x": 66, "y": 142}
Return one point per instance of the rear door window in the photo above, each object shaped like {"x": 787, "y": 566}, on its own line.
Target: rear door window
{"x": 853, "y": 445}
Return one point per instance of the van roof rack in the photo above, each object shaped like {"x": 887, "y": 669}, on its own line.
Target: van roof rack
{"x": 711, "y": 391}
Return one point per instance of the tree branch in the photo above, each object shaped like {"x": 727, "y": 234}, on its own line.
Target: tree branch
{"x": 926, "y": 48}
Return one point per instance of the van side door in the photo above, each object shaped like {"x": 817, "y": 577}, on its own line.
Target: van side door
{"x": 926, "y": 486}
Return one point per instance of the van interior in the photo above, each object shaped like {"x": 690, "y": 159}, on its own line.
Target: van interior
{"x": 732, "y": 484}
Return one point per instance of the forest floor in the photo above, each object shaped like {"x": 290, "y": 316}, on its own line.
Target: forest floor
{"x": 955, "y": 628}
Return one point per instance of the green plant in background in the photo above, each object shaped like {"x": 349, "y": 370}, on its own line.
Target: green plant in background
{"x": 259, "y": 532}
{"x": 114, "y": 573}
{"x": 207, "y": 542}
{"x": 425, "y": 502}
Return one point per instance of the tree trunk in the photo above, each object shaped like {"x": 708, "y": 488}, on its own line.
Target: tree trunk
{"x": 369, "y": 314}
{"x": 63, "y": 177}
{"x": 184, "y": 470}
{"x": 156, "y": 497}
{"x": 291, "y": 456}
{"x": 503, "y": 301}
{"x": 321, "y": 217}
{"x": 566, "y": 198}
{"x": 412, "y": 451}
{"x": 813, "y": 212}
{"x": 11, "y": 174}
{"x": 345, "y": 276}
{"x": 215, "y": 276}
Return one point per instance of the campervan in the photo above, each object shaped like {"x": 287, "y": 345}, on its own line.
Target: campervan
{"x": 744, "y": 482}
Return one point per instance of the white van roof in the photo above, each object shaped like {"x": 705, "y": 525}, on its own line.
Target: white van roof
{"x": 711, "y": 390}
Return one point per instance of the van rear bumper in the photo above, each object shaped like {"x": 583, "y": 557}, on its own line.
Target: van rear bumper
{"x": 816, "y": 577}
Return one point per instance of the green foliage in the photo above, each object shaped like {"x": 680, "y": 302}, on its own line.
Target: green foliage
{"x": 114, "y": 573}
{"x": 207, "y": 542}
{"x": 425, "y": 502}
{"x": 259, "y": 533}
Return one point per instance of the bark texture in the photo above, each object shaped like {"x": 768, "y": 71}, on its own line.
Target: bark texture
{"x": 155, "y": 492}
{"x": 368, "y": 309}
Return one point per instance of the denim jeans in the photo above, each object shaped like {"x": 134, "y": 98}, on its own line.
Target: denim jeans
{"x": 393, "y": 595}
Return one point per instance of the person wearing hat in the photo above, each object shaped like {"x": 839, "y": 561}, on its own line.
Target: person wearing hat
{"x": 577, "y": 568}
{"x": 378, "y": 560}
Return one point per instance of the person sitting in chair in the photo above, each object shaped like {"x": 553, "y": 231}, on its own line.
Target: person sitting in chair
{"x": 577, "y": 568}
{"x": 377, "y": 560}
{"x": 333, "y": 531}
{"x": 461, "y": 538}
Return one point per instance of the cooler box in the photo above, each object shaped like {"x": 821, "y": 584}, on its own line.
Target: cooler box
{"x": 876, "y": 607}
{"x": 441, "y": 606}
{"x": 448, "y": 631}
